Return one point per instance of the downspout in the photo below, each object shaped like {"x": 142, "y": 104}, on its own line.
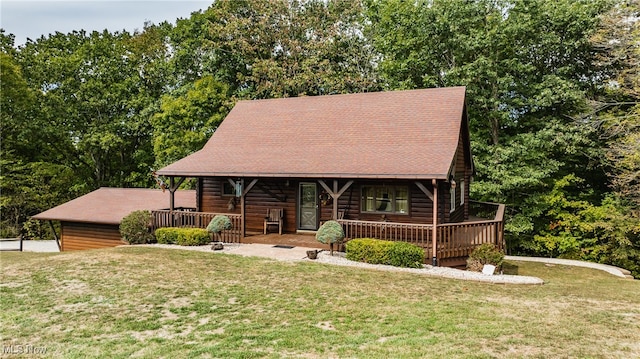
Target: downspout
{"x": 434, "y": 229}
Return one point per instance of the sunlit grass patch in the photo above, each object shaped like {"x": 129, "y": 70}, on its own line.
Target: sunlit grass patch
{"x": 152, "y": 302}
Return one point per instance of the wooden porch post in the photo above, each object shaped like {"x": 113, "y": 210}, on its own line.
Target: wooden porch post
{"x": 173, "y": 187}
{"x": 434, "y": 232}
{"x": 172, "y": 199}
{"x": 335, "y": 194}
{"x": 335, "y": 201}
{"x": 242, "y": 203}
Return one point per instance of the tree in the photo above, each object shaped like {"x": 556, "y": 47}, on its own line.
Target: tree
{"x": 617, "y": 113}
{"x": 272, "y": 48}
{"x": 529, "y": 67}
{"x": 187, "y": 118}
{"x": 92, "y": 94}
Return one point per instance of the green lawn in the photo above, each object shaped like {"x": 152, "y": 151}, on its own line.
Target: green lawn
{"x": 150, "y": 302}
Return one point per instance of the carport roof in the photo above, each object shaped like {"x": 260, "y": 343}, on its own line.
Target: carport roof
{"x": 108, "y": 205}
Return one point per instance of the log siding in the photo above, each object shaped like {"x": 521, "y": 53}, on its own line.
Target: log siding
{"x": 77, "y": 236}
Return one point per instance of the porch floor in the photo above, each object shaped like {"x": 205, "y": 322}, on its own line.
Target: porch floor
{"x": 295, "y": 240}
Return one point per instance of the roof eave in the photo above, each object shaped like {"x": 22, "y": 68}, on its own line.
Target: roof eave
{"x": 408, "y": 176}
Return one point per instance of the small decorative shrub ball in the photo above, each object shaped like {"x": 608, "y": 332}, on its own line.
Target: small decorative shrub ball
{"x": 218, "y": 224}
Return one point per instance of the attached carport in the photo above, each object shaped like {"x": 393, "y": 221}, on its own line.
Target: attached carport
{"x": 92, "y": 221}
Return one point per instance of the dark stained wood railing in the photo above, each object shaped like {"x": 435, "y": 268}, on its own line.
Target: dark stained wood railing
{"x": 460, "y": 239}
{"x": 166, "y": 218}
{"x": 454, "y": 239}
{"x": 418, "y": 234}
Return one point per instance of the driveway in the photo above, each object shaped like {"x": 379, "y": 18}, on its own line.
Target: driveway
{"x": 30, "y": 246}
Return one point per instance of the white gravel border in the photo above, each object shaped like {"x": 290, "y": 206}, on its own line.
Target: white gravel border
{"x": 339, "y": 259}
{"x": 443, "y": 272}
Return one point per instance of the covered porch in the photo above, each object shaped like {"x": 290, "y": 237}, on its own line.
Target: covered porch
{"x": 453, "y": 241}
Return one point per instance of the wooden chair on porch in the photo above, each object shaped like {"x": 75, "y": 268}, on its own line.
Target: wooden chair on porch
{"x": 274, "y": 217}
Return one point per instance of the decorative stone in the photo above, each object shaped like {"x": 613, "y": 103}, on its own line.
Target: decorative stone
{"x": 217, "y": 246}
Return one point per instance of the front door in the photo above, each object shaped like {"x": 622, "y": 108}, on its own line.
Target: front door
{"x": 308, "y": 206}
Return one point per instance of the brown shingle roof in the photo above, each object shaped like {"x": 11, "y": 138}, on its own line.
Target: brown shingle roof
{"x": 399, "y": 134}
{"x": 109, "y": 205}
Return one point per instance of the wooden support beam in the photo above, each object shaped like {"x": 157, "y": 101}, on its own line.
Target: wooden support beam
{"x": 434, "y": 230}
{"x": 245, "y": 190}
{"x": 55, "y": 235}
{"x": 249, "y": 187}
{"x": 335, "y": 196}
{"x": 324, "y": 185}
{"x": 173, "y": 187}
{"x": 425, "y": 190}
{"x": 335, "y": 193}
{"x": 344, "y": 188}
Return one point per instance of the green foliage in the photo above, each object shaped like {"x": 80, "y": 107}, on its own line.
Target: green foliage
{"x": 330, "y": 232}
{"x": 166, "y": 235}
{"x": 187, "y": 118}
{"x": 35, "y": 230}
{"x": 269, "y": 49}
{"x": 552, "y": 92}
{"x": 135, "y": 227}
{"x": 375, "y": 251}
{"x": 219, "y": 223}
{"x": 182, "y": 236}
{"x": 485, "y": 253}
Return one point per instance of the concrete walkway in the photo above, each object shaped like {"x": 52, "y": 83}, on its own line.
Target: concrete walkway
{"x": 618, "y": 272}
{"x": 30, "y": 246}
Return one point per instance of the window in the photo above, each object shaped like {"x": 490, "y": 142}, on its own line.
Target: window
{"x": 385, "y": 199}
{"x": 452, "y": 192}
{"x": 227, "y": 188}
{"x": 461, "y": 192}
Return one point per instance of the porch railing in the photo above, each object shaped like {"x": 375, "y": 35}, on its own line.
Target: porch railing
{"x": 418, "y": 234}
{"x": 166, "y": 218}
{"x": 460, "y": 239}
{"x": 454, "y": 239}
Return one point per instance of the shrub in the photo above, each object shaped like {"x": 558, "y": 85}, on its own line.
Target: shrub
{"x": 375, "y": 251}
{"x": 485, "y": 254}
{"x": 402, "y": 254}
{"x": 135, "y": 227}
{"x": 219, "y": 223}
{"x": 183, "y": 236}
{"x": 166, "y": 235}
{"x": 329, "y": 233}
{"x": 367, "y": 250}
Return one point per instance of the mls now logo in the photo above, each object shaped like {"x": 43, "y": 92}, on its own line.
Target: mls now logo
{"x": 23, "y": 349}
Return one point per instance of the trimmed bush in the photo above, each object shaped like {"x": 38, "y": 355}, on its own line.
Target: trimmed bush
{"x": 166, "y": 235}
{"x": 219, "y": 223}
{"x": 329, "y": 233}
{"x": 375, "y": 251}
{"x": 135, "y": 227}
{"x": 402, "y": 254}
{"x": 485, "y": 254}
{"x": 183, "y": 236}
